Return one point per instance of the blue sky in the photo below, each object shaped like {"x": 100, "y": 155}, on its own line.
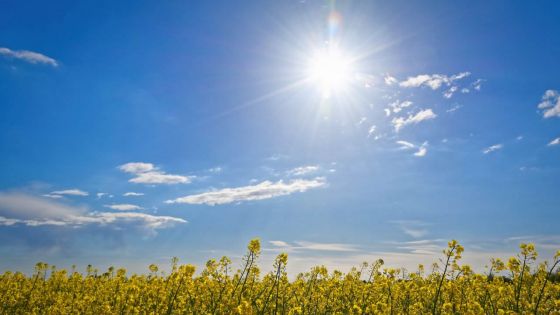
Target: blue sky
{"x": 134, "y": 132}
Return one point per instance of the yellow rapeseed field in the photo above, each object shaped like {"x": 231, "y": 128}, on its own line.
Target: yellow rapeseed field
{"x": 518, "y": 286}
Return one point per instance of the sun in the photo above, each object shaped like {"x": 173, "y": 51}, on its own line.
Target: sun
{"x": 330, "y": 70}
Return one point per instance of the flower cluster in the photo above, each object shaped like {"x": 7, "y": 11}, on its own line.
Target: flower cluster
{"x": 519, "y": 286}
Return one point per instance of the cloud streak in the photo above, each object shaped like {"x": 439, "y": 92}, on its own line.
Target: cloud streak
{"x": 398, "y": 106}
{"x": 147, "y": 173}
{"x": 434, "y": 81}
{"x": 28, "y": 56}
{"x": 132, "y": 194}
{"x": 422, "y": 149}
{"x": 124, "y": 207}
{"x": 493, "y": 148}
{"x": 401, "y": 122}
{"x": 69, "y": 192}
{"x": 19, "y": 209}
{"x": 303, "y": 170}
{"x": 313, "y": 246}
{"x": 261, "y": 191}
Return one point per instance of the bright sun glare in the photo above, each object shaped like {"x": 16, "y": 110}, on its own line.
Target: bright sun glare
{"x": 330, "y": 70}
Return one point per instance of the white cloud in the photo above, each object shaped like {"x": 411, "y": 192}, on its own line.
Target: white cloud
{"x": 400, "y": 122}
{"x": 405, "y": 145}
{"x": 397, "y": 106}
{"x": 477, "y": 84}
{"x": 137, "y": 167}
{"x": 216, "y": 169}
{"x": 454, "y": 108}
{"x": 371, "y": 130}
{"x": 449, "y": 93}
{"x": 22, "y": 209}
{"x": 550, "y": 104}
{"x": 426, "y": 247}
{"x": 493, "y": 148}
{"x": 52, "y": 196}
{"x": 422, "y": 149}
{"x": 389, "y": 80}
{"x": 434, "y": 81}
{"x": 264, "y": 190}
{"x": 336, "y": 247}
{"x": 519, "y": 138}
{"x": 28, "y": 56}
{"x": 124, "y": 207}
{"x": 416, "y": 233}
{"x": 313, "y": 246}
{"x": 22, "y": 206}
{"x": 70, "y": 192}
{"x": 279, "y": 243}
{"x": 303, "y": 170}
{"x": 554, "y": 142}
{"x": 147, "y": 173}
{"x": 143, "y": 220}
{"x": 132, "y": 194}
{"x": 159, "y": 178}
{"x": 101, "y": 194}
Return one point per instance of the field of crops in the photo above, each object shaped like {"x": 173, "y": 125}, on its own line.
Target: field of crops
{"x": 518, "y": 286}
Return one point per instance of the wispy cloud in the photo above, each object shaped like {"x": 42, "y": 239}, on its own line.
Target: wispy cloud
{"x": 279, "y": 243}
{"x": 264, "y": 190}
{"x": 52, "y": 196}
{"x": 554, "y": 142}
{"x": 313, "y": 246}
{"x": 422, "y": 149}
{"x": 28, "y": 56}
{"x": 493, "y": 148}
{"x": 389, "y": 80}
{"x": 371, "y": 131}
{"x": 477, "y": 84}
{"x": 215, "y": 170}
{"x": 147, "y": 173}
{"x": 27, "y": 210}
{"x": 434, "y": 81}
{"x": 150, "y": 222}
{"x": 427, "y": 247}
{"x": 550, "y": 104}
{"x": 405, "y": 145}
{"x": 415, "y": 229}
{"x": 397, "y": 106}
{"x": 449, "y": 93}
{"x": 132, "y": 194}
{"x": 124, "y": 207}
{"x": 550, "y": 242}
{"x": 454, "y": 108}
{"x": 69, "y": 192}
{"x": 400, "y": 122}
{"x": 303, "y": 170}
